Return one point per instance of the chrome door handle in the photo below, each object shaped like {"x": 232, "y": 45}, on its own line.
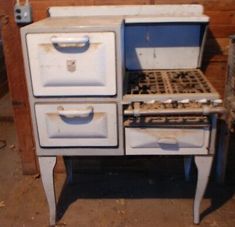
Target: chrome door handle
{"x": 168, "y": 141}
{"x": 70, "y": 41}
{"x": 73, "y": 113}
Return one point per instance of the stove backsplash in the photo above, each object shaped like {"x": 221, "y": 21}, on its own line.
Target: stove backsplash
{"x": 164, "y": 45}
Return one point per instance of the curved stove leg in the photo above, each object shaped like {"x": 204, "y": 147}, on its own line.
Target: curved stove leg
{"x": 47, "y": 165}
{"x": 203, "y": 164}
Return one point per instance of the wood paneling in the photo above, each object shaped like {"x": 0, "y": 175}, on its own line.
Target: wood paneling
{"x": 17, "y": 86}
{"x": 222, "y": 31}
{"x": 222, "y": 15}
{"x": 215, "y": 72}
{"x": 3, "y": 77}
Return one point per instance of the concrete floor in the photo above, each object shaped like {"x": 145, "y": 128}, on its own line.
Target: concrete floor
{"x": 109, "y": 197}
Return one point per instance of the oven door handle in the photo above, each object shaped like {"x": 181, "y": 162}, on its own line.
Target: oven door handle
{"x": 70, "y": 41}
{"x": 168, "y": 141}
{"x": 75, "y": 112}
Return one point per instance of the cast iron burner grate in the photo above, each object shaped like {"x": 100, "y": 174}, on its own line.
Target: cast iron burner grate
{"x": 167, "y": 82}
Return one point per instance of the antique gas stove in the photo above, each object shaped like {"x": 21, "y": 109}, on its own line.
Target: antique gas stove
{"x": 120, "y": 80}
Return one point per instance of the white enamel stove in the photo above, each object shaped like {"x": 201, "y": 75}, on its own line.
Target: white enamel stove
{"x": 84, "y": 69}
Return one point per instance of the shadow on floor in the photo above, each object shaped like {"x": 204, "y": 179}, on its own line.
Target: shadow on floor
{"x": 150, "y": 183}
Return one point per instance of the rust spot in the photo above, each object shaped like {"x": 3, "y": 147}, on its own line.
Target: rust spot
{"x": 94, "y": 46}
{"x": 53, "y": 117}
{"x": 47, "y": 47}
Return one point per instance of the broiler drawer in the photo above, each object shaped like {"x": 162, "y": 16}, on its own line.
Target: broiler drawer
{"x": 77, "y": 125}
{"x": 150, "y": 141}
{"x": 72, "y": 64}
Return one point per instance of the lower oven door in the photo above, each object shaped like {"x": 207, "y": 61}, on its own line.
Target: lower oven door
{"x": 166, "y": 141}
{"x": 77, "y": 125}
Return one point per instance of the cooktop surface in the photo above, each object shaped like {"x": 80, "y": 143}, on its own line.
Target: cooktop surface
{"x": 167, "y": 82}
{"x": 165, "y": 85}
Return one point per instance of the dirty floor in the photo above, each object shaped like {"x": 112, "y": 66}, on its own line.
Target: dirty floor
{"x": 109, "y": 197}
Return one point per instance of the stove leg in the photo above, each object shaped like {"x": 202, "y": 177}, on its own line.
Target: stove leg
{"x": 203, "y": 164}
{"x": 188, "y": 167}
{"x": 47, "y": 165}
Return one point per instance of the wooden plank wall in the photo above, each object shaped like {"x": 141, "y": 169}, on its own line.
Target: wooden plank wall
{"x": 222, "y": 13}
{"x": 3, "y": 76}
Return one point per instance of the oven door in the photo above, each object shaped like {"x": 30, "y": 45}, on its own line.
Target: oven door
{"x": 166, "y": 141}
{"x": 77, "y": 125}
{"x": 72, "y": 64}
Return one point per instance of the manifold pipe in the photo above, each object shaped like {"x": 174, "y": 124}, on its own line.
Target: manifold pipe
{"x": 204, "y": 111}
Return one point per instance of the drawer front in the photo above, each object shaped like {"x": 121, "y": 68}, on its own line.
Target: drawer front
{"x": 167, "y": 140}
{"x": 76, "y": 125}
{"x": 72, "y": 64}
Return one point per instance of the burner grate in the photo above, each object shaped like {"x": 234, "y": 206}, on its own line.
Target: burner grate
{"x": 167, "y": 82}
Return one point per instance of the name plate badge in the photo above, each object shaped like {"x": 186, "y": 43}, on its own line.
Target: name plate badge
{"x": 71, "y": 65}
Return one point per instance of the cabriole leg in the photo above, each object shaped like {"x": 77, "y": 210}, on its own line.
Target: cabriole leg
{"x": 203, "y": 164}
{"x": 47, "y": 165}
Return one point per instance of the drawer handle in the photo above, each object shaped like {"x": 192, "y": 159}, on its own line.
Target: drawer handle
{"x": 70, "y": 41}
{"x": 168, "y": 141}
{"x": 75, "y": 113}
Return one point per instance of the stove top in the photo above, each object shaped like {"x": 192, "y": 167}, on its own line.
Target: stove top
{"x": 167, "y": 82}
{"x": 175, "y": 84}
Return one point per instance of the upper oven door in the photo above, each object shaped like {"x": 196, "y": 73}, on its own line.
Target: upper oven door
{"x": 72, "y": 64}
